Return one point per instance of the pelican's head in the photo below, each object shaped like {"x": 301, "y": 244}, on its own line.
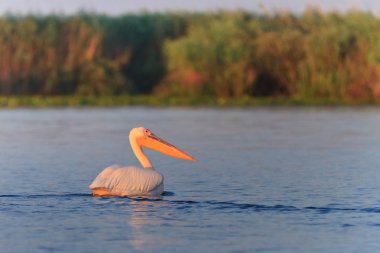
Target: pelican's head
{"x": 144, "y": 137}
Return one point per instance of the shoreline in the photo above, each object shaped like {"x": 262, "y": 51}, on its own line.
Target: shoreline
{"x": 157, "y": 101}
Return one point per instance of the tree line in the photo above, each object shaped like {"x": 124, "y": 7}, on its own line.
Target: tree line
{"x": 226, "y": 54}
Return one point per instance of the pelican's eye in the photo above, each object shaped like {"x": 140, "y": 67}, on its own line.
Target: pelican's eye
{"x": 147, "y": 131}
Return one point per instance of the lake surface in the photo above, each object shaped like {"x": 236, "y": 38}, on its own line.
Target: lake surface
{"x": 266, "y": 180}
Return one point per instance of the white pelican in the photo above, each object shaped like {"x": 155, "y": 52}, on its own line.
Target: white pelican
{"x": 132, "y": 181}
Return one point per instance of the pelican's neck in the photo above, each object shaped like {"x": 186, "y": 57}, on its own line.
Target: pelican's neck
{"x": 137, "y": 150}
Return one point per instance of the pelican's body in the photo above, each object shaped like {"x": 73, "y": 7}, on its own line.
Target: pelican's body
{"x": 129, "y": 181}
{"x": 132, "y": 181}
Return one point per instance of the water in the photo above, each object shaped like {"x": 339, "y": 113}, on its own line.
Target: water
{"x": 266, "y": 180}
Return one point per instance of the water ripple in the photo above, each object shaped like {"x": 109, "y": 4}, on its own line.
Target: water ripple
{"x": 215, "y": 205}
{"x": 221, "y": 205}
{"x": 32, "y": 196}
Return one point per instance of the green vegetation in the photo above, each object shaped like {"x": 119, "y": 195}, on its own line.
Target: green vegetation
{"x": 223, "y": 58}
{"x": 154, "y": 100}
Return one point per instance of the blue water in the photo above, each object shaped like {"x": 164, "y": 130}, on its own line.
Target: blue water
{"x": 266, "y": 180}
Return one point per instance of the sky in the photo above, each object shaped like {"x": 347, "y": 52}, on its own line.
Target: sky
{"x": 117, "y": 7}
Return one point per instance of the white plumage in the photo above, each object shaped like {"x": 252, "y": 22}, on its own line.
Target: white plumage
{"x": 132, "y": 181}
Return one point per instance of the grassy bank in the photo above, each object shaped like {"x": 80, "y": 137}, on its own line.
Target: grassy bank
{"x": 126, "y": 100}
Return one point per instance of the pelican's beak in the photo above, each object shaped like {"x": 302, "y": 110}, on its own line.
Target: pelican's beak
{"x": 154, "y": 142}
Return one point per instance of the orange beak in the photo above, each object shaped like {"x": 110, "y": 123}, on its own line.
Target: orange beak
{"x": 158, "y": 144}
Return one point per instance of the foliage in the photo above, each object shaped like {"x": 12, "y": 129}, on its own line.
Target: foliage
{"x": 314, "y": 55}
{"x": 83, "y": 54}
{"x": 222, "y": 55}
{"x": 213, "y": 59}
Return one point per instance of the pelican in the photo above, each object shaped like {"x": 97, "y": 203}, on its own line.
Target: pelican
{"x": 131, "y": 181}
